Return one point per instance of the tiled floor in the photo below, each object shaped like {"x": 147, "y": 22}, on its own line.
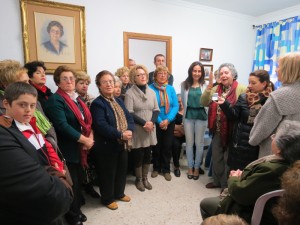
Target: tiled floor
{"x": 174, "y": 202}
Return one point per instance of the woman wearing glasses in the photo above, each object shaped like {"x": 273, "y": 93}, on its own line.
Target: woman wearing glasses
{"x": 113, "y": 127}
{"x": 72, "y": 122}
{"x": 165, "y": 123}
{"x": 141, "y": 102}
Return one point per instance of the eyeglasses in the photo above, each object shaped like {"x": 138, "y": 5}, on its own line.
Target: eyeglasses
{"x": 273, "y": 136}
{"x": 141, "y": 75}
{"x": 107, "y": 82}
{"x": 65, "y": 79}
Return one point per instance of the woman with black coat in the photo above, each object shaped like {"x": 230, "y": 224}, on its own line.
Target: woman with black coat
{"x": 241, "y": 153}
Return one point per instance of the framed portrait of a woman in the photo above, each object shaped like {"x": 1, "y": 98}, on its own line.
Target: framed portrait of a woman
{"x": 54, "y": 33}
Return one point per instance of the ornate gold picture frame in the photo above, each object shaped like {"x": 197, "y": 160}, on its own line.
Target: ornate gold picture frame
{"x": 54, "y": 33}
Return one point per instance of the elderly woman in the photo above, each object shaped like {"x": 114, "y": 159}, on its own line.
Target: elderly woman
{"x": 259, "y": 177}
{"x": 10, "y": 71}
{"x": 283, "y": 104}
{"x": 113, "y": 126}
{"x": 123, "y": 74}
{"x": 141, "y": 102}
{"x": 72, "y": 121}
{"x": 55, "y": 30}
{"x": 118, "y": 87}
{"x": 218, "y": 123}
{"x": 195, "y": 117}
{"x": 165, "y": 123}
{"x": 241, "y": 153}
{"x": 36, "y": 72}
{"x": 82, "y": 83}
{"x": 83, "y": 80}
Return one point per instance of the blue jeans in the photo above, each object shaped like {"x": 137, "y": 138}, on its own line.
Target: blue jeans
{"x": 194, "y": 133}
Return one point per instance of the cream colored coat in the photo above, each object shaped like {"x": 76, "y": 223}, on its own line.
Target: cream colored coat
{"x": 143, "y": 106}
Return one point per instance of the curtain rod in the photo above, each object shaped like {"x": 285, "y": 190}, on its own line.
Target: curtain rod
{"x": 283, "y": 20}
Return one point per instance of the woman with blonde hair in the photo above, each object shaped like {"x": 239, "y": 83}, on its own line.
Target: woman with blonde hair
{"x": 165, "y": 123}
{"x": 123, "y": 74}
{"x": 283, "y": 104}
{"x": 83, "y": 80}
{"x": 140, "y": 101}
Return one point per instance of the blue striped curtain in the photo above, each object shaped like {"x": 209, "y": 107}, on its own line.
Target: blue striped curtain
{"x": 272, "y": 41}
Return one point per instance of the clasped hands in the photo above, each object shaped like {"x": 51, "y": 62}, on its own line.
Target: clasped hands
{"x": 164, "y": 125}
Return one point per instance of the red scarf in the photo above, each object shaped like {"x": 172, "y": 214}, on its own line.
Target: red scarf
{"x": 86, "y": 123}
{"x": 42, "y": 89}
{"x": 226, "y": 127}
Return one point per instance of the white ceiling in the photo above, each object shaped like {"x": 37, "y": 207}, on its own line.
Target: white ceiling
{"x": 248, "y": 7}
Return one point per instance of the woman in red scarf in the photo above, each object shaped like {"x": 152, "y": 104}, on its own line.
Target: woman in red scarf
{"x": 36, "y": 72}
{"x": 218, "y": 124}
{"x": 72, "y": 121}
{"x": 241, "y": 153}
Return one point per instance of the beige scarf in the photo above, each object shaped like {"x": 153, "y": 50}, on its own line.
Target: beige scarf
{"x": 121, "y": 121}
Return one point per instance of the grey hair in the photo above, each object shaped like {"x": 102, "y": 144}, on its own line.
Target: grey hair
{"x": 287, "y": 139}
{"x": 232, "y": 69}
{"x": 117, "y": 79}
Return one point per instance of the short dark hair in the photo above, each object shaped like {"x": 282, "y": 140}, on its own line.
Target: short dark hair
{"x": 101, "y": 74}
{"x": 32, "y": 67}
{"x": 14, "y": 90}
{"x": 59, "y": 70}
{"x": 158, "y": 56}
{"x": 58, "y": 24}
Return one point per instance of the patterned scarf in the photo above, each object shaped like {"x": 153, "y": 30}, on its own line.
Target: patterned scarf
{"x": 164, "y": 100}
{"x": 256, "y": 101}
{"x": 85, "y": 122}
{"x": 217, "y": 120}
{"x": 120, "y": 120}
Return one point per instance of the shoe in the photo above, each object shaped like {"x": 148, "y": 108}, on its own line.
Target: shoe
{"x": 177, "y": 172}
{"x": 125, "y": 198}
{"x": 139, "y": 184}
{"x": 146, "y": 183}
{"x": 201, "y": 171}
{"x": 196, "y": 177}
{"x": 154, "y": 174}
{"x": 190, "y": 174}
{"x": 82, "y": 217}
{"x": 167, "y": 176}
{"x": 112, "y": 206}
{"x": 212, "y": 185}
{"x": 73, "y": 220}
{"x": 89, "y": 189}
{"x": 196, "y": 174}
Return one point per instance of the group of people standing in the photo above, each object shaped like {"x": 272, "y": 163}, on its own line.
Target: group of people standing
{"x": 83, "y": 130}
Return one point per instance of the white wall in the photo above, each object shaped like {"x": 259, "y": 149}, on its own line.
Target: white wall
{"x": 191, "y": 27}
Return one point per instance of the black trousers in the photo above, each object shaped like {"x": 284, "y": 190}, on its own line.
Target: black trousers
{"x": 111, "y": 168}
{"x": 176, "y": 149}
{"x": 75, "y": 170}
{"x": 162, "y": 152}
{"x": 141, "y": 156}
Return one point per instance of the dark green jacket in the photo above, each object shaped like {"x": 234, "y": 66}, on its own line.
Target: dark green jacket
{"x": 254, "y": 182}
{"x": 67, "y": 127}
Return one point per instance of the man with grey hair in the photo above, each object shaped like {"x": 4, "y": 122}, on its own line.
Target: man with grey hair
{"x": 259, "y": 177}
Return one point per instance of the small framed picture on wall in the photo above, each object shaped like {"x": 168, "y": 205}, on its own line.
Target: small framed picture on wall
{"x": 206, "y": 54}
{"x": 207, "y": 70}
